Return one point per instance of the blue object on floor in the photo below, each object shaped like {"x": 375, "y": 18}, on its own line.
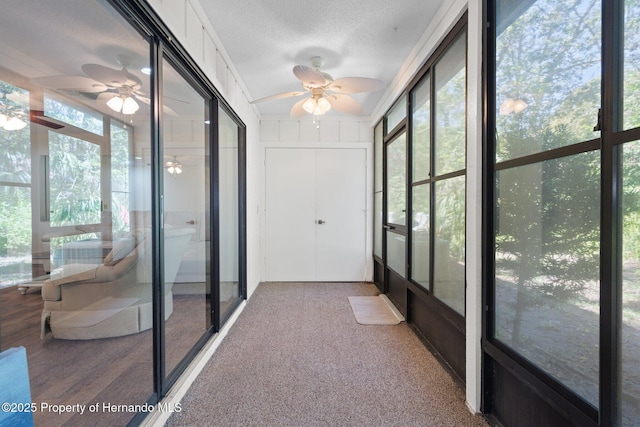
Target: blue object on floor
{"x": 15, "y": 392}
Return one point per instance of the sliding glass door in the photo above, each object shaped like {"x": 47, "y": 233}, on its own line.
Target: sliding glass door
{"x": 186, "y": 229}
{"x": 230, "y": 217}
{"x": 114, "y": 240}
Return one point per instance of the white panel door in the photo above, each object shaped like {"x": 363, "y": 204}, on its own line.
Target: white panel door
{"x": 290, "y": 206}
{"x": 341, "y": 206}
{"x": 316, "y": 214}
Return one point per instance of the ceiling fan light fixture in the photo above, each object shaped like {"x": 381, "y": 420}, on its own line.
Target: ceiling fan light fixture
{"x": 174, "y": 167}
{"x": 322, "y": 106}
{"x": 129, "y": 106}
{"x": 316, "y": 106}
{"x": 115, "y": 103}
{"x": 309, "y": 105}
{"x": 15, "y": 123}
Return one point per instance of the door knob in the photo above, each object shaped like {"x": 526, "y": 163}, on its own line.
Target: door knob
{"x": 320, "y": 222}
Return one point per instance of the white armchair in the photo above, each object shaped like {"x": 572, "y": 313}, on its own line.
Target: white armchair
{"x": 88, "y": 301}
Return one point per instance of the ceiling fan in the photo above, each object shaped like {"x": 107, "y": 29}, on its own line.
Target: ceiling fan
{"x": 118, "y": 89}
{"x": 325, "y": 92}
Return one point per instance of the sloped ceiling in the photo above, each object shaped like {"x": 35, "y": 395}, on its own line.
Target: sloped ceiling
{"x": 356, "y": 38}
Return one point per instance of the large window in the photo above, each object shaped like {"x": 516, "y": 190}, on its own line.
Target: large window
{"x": 438, "y": 133}
{"x": 565, "y": 205}
{"x": 15, "y": 185}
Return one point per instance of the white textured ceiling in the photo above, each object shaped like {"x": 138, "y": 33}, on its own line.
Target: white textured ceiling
{"x": 356, "y": 38}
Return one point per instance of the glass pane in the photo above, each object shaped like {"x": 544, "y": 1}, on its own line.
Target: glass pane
{"x": 377, "y": 224}
{"x": 421, "y": 132}
{"x": 420, "y": 234}
{"x": 547, "y": 74}
{"x": 75, "y": 181}
{"x": 187, "y": 281}
{"x": 15, "y": 136}
{"x": 547, "y": 267}
{"x": 450, "y": 109}
{"x": 397, "y": 113}
{"x": 15, "y": 236}
{"x": 449, "y": 243}
{"x": 396, "y": 252}
{"x": 397, "y": 181}
{"x": 229, "y": 220}
{"x": 378, "y": 144}
{"x": 67, "y": 112}
{"x": 631, "y": 286}
{"x": 94, "y": 304}
{"x": 631, "y": 96}
{"x": 121, "y": 160}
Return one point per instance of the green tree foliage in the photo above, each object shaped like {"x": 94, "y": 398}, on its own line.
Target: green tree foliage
{"x": 547, "y": 219}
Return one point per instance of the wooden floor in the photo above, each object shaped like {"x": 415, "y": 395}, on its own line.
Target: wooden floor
{"x": 115, "y": 371}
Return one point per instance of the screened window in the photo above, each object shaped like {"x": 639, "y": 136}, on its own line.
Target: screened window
{"x": 397, "y": 113}
{"x": 438, "y": 177}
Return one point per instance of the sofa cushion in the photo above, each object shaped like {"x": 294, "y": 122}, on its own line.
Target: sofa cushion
{"x": 72, "y": 273}
{"x": 121, "y": 248}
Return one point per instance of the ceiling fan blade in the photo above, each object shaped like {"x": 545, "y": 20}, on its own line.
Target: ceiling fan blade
{"x": 165, "y": 109}
{"x": 144, "y": 98}
{"x": 344, "y": 103}
{"x": 106, "y": 75}
{"x": 297, "y": 110}
{"x": 70, "y": 83}
{"x": 38, "y": 116}
{"x": 279, "y": 96}
{"x": 309, "y": 76}
{"x": 356, "y": 85}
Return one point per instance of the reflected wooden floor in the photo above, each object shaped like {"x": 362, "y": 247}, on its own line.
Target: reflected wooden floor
{"x": 114, "y": 371}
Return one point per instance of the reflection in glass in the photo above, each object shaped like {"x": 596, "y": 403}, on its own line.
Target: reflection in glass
{"x": 631, "y": 80}
{"x": 74, "y": 179}
{"x": 377, "y": 188}
{"x": 421, "y": 131}
{"x": 547, "y": 267}
{"x": 63, "y": 110}
{"x": 15, "y": 237}
{"x": 377, "y": 224}
{"x": 229, "y": 211}
{"x": 15, "y": 192}
{"x": 420, "y": 234}
{"x": 378, "y": 144}
{"x": 397, "y": 180}
{"x": 187, "y": 281}
{"x": 121, "y": 162}
{"x": 449, "y": 243}
{"x": 93, "y": 305}
{"x": 631, "y": 285}
{"x": 396, "y": 252}
{"x": 547, "y": 74}
{"x": 450, "y": 109}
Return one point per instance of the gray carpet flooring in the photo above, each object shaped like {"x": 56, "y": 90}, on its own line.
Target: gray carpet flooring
{"x": 297, "y": 357}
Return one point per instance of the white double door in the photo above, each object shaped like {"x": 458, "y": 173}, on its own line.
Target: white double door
{"x": 315, "y": 214}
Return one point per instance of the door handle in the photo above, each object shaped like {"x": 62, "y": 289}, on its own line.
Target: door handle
{"x": 320, "y": 222}
{"x": 190, "y": 222}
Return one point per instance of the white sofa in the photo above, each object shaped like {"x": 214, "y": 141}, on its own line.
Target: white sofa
{"x": 88, "y": 301}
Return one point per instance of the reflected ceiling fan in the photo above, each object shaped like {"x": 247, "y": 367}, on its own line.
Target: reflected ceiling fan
{"x": 325, "y": 92}
{"x": 118, "y": 89}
